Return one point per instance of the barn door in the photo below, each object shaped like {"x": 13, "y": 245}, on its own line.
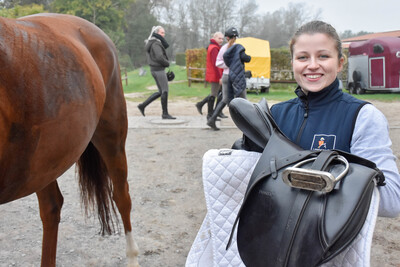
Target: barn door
{"x": 377, "y": 72}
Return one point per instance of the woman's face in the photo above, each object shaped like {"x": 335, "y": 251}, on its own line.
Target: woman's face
{"x": 315, "y": 61}
{"x": 161, "y": 32}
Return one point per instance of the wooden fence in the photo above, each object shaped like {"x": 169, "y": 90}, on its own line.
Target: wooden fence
{"x": 277, "y": 76}
{"x": 124, "y": 75}
{"x": 282, "y": 76}
{"x": 190, "y": 78}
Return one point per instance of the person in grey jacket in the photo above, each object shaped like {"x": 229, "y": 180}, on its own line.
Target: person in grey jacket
{"x": 158, "y": 60}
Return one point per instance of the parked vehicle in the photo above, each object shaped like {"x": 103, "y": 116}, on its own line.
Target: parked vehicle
{"x": 260, "y": 64}
{"x": 374, "y": 65}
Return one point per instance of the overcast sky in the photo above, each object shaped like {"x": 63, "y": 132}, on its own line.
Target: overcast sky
{"x": 354, "y": 15}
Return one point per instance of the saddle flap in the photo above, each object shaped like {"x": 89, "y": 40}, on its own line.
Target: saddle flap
{"x": 344, "y": 205}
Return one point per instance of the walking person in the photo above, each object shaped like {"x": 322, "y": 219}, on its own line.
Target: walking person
{"x": 158, "y": 60}
{"x": 213, "y": 76}
{"x": 231, "y": 59}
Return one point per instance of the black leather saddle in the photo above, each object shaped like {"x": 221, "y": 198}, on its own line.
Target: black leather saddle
{"x": 301, "y": 207}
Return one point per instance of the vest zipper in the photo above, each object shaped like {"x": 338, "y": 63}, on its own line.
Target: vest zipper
{"x": 303, "y": 124}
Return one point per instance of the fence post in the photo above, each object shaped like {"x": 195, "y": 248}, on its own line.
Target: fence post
{"x": 125, "y": 76}
{"x": 190, "y": 76}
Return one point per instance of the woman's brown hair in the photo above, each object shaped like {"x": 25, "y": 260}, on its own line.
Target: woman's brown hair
{"x": 317, "y": 26}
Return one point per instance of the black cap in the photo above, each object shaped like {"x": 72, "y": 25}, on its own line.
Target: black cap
{"x": 231, "y": 32}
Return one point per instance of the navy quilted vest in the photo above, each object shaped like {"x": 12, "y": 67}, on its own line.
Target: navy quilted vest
{"x": 321, "y": 120}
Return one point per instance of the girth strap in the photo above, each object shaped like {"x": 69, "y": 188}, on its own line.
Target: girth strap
{"x": 291, "y": 227}
{"x": 297, "y": 210}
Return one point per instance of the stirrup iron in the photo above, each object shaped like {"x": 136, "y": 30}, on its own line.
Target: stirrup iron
{"x": 314, "y": 180}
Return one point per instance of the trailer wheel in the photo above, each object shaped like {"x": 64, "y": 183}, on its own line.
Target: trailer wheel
{"x": 356, "y": 76}
{"x": 352, "y": 90}
{"x": 264, "y": 89}
{"x": 359, "y": 90}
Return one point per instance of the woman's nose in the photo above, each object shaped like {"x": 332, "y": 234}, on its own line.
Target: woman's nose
{"x": 313, "y": 63}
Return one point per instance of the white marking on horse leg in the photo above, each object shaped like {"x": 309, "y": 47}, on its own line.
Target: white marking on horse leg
{"x": 132, "y": 250}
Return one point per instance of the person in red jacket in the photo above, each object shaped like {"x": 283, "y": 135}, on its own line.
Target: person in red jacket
{"x": 213, "y": 74}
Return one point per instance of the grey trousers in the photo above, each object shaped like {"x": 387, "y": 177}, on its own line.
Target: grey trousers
{"x": 161, "y": 80}
{"x": 215, "y": 87}
{"x": 225, "y": 86}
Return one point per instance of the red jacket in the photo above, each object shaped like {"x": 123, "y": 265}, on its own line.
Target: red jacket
{"x": 213, "y": 73}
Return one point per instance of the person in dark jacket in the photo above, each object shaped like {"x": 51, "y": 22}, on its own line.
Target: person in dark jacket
{"x": 213, "y": 76}
{"x": 158, "y": 61}
{"x": 231, "y": 59}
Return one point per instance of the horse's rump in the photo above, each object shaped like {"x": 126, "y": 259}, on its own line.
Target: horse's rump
{"x": 59, "y": 85}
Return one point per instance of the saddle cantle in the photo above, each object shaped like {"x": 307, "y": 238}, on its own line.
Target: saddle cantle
{"x": 308, "y": 217}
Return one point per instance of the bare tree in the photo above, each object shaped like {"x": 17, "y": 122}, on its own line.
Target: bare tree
{"x": 279, "y": 26}
{"x": 183, "y": 30}
{"x": 247, "y": 18}
{"x": 225, "y": 10}
{"x": 191, "y": 22}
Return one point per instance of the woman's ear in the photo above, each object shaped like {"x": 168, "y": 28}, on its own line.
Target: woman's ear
{"x": 341, "y": 62}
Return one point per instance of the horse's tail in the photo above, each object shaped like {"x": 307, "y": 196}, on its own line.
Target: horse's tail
{"x": 96, "y": 187}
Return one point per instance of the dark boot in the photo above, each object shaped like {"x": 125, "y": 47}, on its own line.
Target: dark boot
{"x": 213, "y": 118}
{"x": 164, "y": 105}
{"x": 219, "y": 99}
{"x": 211, "y": 101}
{"x": 199, "y": 105}
{"x": 151, "y": 98}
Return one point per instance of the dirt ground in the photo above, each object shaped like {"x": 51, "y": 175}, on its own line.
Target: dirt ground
{"x": 168, "y": 201}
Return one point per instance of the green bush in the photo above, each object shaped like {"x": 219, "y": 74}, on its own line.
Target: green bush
{"x": 180, "y": 59}
{"x": 196, "y": 58}
{"x": 125, "y": 62}
{"x": 280, "y": 59}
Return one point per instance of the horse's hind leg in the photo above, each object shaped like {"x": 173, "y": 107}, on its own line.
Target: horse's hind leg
{"x": 50, "y": 204}
{"x": 122, "y": 199}
{"x": 112, "y": 150}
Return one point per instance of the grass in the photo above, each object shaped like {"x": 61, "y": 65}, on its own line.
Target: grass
{"x": 179, "y": 89}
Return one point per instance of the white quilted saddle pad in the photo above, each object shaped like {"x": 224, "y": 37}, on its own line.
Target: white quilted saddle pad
{"x": 226, "y": 173}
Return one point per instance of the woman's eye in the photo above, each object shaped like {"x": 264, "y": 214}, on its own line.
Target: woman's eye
{"x": 302, "y": 58}
{"x": 324, "y": 56}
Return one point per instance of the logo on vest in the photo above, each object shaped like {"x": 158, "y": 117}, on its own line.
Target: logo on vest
{"x": 323, "y": 142}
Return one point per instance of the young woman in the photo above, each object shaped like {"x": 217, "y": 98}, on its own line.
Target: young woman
{"x": 324, "y": 117}
{"x": 231, "y": 58}
{"x": 158, "y": 61}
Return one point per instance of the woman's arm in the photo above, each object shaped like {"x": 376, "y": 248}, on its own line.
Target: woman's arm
{"x": 244, "y": 57}
{"x": 371, "y": 140}
{"x": 220, "y": 58}
{"x": 160, "y": 55}
{"x": 213, "y": 56}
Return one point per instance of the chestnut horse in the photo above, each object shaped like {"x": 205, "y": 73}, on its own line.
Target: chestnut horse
{"x": 61, "y": 102}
